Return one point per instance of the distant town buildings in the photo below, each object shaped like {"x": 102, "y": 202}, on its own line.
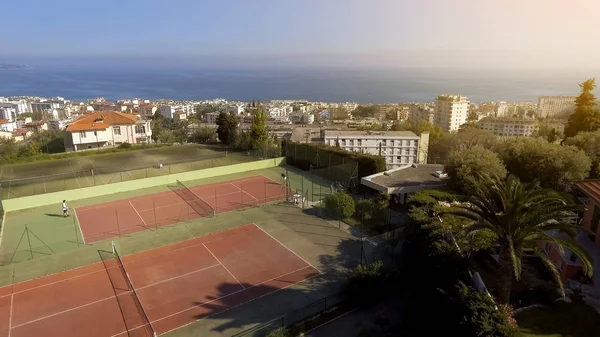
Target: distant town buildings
{"x": 451, "y": 111}
{"x": 511, "y": 127}
{"x": 552, "y": 106}
{"x": 400, "y": 148}
{"x": 501, "y": 109}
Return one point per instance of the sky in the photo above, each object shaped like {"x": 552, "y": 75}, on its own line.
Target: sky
{"x": 382, "y": 33}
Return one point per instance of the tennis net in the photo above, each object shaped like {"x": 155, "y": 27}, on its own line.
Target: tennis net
{"x": 201, "y": 207}
{"x": 146, "y": 321}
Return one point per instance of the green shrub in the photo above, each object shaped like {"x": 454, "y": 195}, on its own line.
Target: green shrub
{"x": 368, "y": 283}
{"x": 340, "y": 205}
{"x": 124, "y": 146}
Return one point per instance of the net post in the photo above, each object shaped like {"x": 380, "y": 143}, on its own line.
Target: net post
{"x": 75, "y": 227}
{"x": 118, "y": 227}
{"x": 154, "y": 211}
{"x": 216, "y": 205}
{"x": 265, "y": 185}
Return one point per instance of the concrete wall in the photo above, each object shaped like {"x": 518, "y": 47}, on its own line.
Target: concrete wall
{"x": 95, "y": 191}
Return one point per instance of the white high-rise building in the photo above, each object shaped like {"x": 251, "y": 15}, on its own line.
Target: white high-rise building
{"x": 501, "y": 109}
{"x": 550, "y": 106}
{"x": 451, "y": 111}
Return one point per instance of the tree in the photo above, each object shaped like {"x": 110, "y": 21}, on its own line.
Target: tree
{"x": 588, "y": 142}
{"x": 227, "y": 126}
{"x": 547, "y": 132}
{"x": 465, "y": 166}
{"x": 204, "y": 135}
{"x": 340, "y": 205}
{"x": 473, "y": 116}
{"x": 585, "y": 117}
{"x": 553, "y": 165}
{"x": 258, "y": 130}
{"x": 402, "y": 126}
{"x": 373, "y": 212}
{"x": 519, "y": 216}
{"x": 463, "y": 138}
{"x": 365, "y": 111}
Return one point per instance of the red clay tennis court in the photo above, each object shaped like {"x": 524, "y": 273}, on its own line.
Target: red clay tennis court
{"x": 112, "y": 219}
{"x": 176, "y": 285}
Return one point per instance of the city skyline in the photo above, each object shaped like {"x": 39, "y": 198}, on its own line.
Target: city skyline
{"x": 384, "y": 33}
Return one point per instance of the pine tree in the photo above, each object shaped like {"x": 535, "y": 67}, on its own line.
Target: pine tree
{"x": 258, "y": 130}
{"x": 586, "y": 117}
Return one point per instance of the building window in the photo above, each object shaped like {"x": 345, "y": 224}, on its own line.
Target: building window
{"x": 81, "y": 134}
{"x": 96, "y": 133}
{"x": 140, "y": 129}
{"x": 117, "y": 130}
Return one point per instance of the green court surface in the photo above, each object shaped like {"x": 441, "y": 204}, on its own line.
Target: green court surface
{"x": 56, "y": 246}
{"x": 19, "y": 180}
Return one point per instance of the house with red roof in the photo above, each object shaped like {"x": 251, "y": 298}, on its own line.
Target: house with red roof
{"x": 106, "y": 128}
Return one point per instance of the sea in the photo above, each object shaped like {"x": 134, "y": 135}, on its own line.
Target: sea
{"x": 332, "y": 84}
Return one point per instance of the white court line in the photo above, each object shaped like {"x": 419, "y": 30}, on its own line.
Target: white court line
{"x": 286, "y": 247}
{"x": 106, "y": 298}
{"x": 176, "y": 277}
{"x": 131, "y": 262}
{"x": 222, "y": 265}
{"x": 243, "y": 303}
{"x": 2, "y": 229}
{"x": 79, "y": 225}
{"x": 239, "y": 189}
{"x": 10, "y": 314}
{"x": 138, "y": 213}
{"x": 230, "y": 294}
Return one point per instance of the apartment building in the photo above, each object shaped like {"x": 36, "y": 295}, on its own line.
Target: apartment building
{"x": 400, "y": 148}
{"x": 169, "y": 111}
{"x": 509, "y": 127}
{"x": 551, "y": 106}
{"x": 106, "y": 128}
{"x": 451, "y": 111}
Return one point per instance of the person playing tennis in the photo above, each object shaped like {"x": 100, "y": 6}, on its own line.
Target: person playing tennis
{"x": 65, "y": 209}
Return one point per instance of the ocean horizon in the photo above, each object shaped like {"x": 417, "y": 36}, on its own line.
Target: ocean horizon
{"x": 329, "y": 84}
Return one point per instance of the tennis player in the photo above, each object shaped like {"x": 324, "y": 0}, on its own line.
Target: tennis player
{"x": 65, "y": 209}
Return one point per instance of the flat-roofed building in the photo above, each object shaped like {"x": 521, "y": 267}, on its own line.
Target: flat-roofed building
{"x": 400, "y": 148}
{"x": 510, "y": 127}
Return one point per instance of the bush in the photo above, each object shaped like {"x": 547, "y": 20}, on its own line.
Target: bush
{"x": 367, "y": 284}
{"x": 124, "y": 146}
{"x": 340, "y": 205}
{"x": 367, "y": 164}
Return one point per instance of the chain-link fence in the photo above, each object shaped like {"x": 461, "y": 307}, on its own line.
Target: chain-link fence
{"x": 324, "y": 164}
{"x": 74, "y": 179}
{"x": 296, "y": 317}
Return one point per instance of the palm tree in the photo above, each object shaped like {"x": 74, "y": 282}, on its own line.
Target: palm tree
{"x": 519, "y": 216}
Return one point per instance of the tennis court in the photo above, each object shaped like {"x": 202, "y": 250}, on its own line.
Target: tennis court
{"x": 149, "y": 212}
{"x": 172, "y": 286}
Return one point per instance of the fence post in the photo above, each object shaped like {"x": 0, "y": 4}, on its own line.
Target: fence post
{"x": 302, "y": 189}
{"x": 312, "y": 189}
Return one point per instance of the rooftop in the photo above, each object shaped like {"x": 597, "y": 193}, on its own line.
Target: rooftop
{"x": 101, "y": 120}
{"x": 414, "y": 175}
{"x": 591, "y": 188}
{"x": 374, "y": 134}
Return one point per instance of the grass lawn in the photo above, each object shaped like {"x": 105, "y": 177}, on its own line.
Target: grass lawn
{"x": 560, "y": 319}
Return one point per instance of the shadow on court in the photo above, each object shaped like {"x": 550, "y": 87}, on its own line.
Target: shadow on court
{"x": 56, "y": 215}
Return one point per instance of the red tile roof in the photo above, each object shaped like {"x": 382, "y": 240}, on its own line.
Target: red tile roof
{"x": 101, "y": 120}
{"x": 591, "y": 188}
{"x": 20, "y": 132}
{"x": 4, "y": 121}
